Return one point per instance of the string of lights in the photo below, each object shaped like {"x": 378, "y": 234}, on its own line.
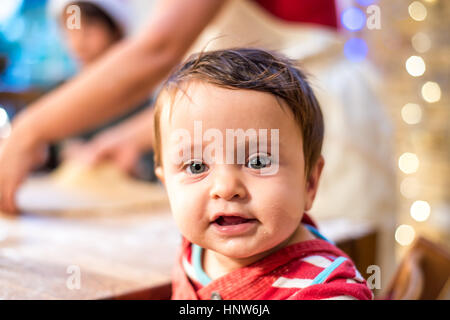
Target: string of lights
{"x": 405, "y": 46}
{"x": 411, "y": 162}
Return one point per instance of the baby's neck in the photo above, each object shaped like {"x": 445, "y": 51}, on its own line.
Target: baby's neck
{"x": 217, "y": 265}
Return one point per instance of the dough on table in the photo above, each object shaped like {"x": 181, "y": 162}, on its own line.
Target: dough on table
{"x": 74, "y": 188}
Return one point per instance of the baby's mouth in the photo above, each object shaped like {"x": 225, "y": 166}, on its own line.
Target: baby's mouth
{"x": 233, "y": 224}
{"x": 231, "y": 220}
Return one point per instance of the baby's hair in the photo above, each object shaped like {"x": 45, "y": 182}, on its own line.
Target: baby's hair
{"x": 253, "y": 69}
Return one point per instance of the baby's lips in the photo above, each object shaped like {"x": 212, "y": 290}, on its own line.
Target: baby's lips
{"x": 231, "y": 217}
{"x": 231, "y": 220}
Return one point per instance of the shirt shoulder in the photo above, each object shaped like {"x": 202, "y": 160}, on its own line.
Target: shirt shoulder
{"x": 317, "y": 277}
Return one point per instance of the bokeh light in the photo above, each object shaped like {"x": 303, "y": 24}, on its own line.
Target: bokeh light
{"x": 411, "y": 113}
{"x": 431, "y": 92}
{"x": 353, "y": 19}
{"x": 3, "y": 117}
{"x": 355, "y": 49}
{"x": 421, "y": 42}
{"x": 420, "y": 210}
{"x": 405, "y": 234}
{"x": 5, "y": 126}
{"x": 415, "y": 66}
{"x": 408, "y": 163}
{"x": 417, "y": 11}
{"x": 5, "y": 131}
{"x": 8, "y": 9}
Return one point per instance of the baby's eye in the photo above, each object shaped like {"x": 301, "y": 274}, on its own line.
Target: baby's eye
{"x": 258, "y": 162}
{"x": 196, "y": 167}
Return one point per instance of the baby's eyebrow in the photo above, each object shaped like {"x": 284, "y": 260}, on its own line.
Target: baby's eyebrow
{"x": 188, "y": 147}
{"x": 249, "y": 142}
{"x": 236, "y": 143}
{"x": 256, "y": 140}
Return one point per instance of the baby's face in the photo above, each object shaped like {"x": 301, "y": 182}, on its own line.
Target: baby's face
{"x": 238, "y": 210}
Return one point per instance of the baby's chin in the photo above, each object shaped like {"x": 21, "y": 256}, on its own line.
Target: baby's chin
{"x": 238, "y": 253}
{"x": 241, "y": 249}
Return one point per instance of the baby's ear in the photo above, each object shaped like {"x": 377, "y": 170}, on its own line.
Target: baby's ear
{"x": 313, "y": 182}
{"x": 159, "y": 172}
{"x": 316, "y": 171}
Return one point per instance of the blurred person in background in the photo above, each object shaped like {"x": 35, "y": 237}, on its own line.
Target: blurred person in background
{"x": 105, "y": 23}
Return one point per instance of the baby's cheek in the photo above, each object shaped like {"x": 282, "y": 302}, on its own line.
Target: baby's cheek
{"x": 280, "y": 194}
{"x": 186, "y": 208}
{"x": 279, "y": 208}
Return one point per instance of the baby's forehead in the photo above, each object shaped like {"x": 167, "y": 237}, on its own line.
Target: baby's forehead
{"x": 201, "y": 98}
{"x": 225, "y": 109}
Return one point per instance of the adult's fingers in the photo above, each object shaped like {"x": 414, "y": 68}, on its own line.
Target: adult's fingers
{"x": 94, "y": 154}
{"x": 126, "y": 159}
{"x": 13, "y": 171}
{"x": 7, "y": 203}
{"x": 9, "y": 186}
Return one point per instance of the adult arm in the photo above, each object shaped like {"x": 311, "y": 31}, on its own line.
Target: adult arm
{"x": 118, "y": 81}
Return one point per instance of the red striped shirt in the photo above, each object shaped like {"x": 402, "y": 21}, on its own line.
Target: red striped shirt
{"x": 313, "y": 269}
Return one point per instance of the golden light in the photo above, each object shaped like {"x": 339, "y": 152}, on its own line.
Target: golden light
{"x": 408, "y": 162}
{"x": 410, "y": 187}
{"x": 417, "y": 11}
{"x": 421, "y": 42}
{"x": 415, "y": 66}
{"x": 431, "y": 1}
{"x": 411, "y": 113}
{"x": 431, "y": 92}
{"x": 420, "y": 210}
{"x": 405, "y": 234}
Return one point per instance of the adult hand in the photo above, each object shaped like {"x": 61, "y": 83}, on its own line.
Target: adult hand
{"x": 115, "y": 145}
{"x": 18, "y": 156}
{"x": 122, "y": 144}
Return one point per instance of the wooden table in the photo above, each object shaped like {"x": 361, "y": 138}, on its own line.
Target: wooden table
{"x": 89, "y": 257}
{"x": 117, "y": 256}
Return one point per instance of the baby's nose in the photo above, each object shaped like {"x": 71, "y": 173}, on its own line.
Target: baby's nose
{"x": 227, "y": 184}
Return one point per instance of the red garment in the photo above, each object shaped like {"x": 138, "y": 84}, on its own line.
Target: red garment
{"x": 321, "y": 12}
{"x": 284, "y": 275}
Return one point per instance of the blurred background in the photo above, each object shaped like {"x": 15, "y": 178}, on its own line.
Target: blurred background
{"x": 407, "y": 44}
